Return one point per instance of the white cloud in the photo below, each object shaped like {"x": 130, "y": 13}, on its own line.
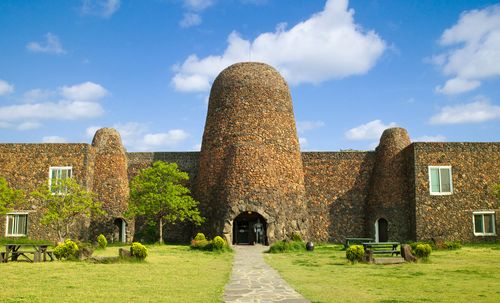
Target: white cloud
{"x": 303, "y": 126}
{"x": 54, "y": 139}
{"x": 28, "y": 125}
{"x": 87, "y": 92}
{"x": 76, "y": 102}
{"x": 190, "y": 19}
{"x": 474, "y": 43}
{"x": 303, "y": 142}
{"x": 328, "y": 45}
{"x": 369, "y": 131}
{"x": 137, "y": 137}
{"x": 198, "y": 5}
{"x": 478, "y": 111}
{"x": 5, "y": 124}
{"x": 6, "y": 88}
{"x": 425, "y": 138}
{"x": 197, "y": 147}
{"x": 102, "y": 8}
{"x": 457, "y": 86}
{"x": 52, "y": 45}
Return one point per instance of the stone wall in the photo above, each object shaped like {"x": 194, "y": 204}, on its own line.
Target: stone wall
{"x": 475, "y": 168}
{"x": 337, "y": 186}
{"x": 188, "y": 162}
{"x": 26, "y": 167}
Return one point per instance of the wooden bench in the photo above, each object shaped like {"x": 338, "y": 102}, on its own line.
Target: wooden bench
{"x": 351, "y": 241}
{"x": 382, "y": 248}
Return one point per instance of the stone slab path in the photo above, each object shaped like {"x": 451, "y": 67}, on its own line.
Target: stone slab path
{"x": 252, "y": 280}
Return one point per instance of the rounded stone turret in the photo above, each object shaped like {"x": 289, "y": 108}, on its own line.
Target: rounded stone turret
{"x": 111, "y": 182}
{"x": 389, "y": 191}
{"x": 250, "y": 158}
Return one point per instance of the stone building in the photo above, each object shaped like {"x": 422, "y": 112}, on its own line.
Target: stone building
{"x": 254, "y": 184}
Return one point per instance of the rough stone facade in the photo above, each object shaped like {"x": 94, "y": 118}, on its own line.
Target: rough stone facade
{"x": 250, "y": 157}
{"x": 250, "y": 163}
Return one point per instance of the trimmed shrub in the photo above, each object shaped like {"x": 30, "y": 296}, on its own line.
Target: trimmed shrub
{"x": 139, "y": 251}
{"x": 66, "y": 250}
{"x": 101, "y": 240}
{"x": 355, "y": 253}
{"x": 287, "y": 246}
{"x": 452, "y": 245}
{"x": 218, "y": 243}
{"x": 423, "y": 251}
{"x": 200, "y": 236}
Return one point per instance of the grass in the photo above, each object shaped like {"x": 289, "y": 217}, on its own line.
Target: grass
{"x": 471, "y": 274}
{"x": 171, "y": 273}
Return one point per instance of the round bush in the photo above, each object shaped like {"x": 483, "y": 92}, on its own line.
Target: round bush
{"x": 355, "y": 253}
{"x": 101, "y": 240}
{"x": 66, "y": 250}
{"x": 423, "y": 251}
{"x": 200, "y": 236}
{"x": 139, "y": 251}
{"x": 218, "y": 243}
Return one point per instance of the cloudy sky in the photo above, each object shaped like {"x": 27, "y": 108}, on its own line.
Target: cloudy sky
{"x": 146, "y": 68}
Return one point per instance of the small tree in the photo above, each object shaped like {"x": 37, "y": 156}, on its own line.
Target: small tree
{"x": 9, "y": 197}
{"x": 64, "y": 204}
{"x": 158, "y": 194}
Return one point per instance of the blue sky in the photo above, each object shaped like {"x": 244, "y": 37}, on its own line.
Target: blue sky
{"x": 146, "y": 67}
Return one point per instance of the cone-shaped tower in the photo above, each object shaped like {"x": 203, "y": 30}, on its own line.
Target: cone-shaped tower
{"x": 250, "y": 162}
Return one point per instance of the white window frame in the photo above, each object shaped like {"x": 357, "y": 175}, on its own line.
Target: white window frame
{"x": 486, "y": 212}
{"x": 56, "y": 168}
{"x": 440, "y": 193}
{"x": 7, "y": 234}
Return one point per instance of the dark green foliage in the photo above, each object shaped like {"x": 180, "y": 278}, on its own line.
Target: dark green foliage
{"x": 496, "y": 190}
{"x": 9, "y": 197}
{"x": 452, "y": 245}
{"x": 287, "y": 246}
{"x": 296, "y": 237}
{"x": 422, "y": 251}
{"x": 66, "y": 250}
{"x": 158, "y": 194}
{"x": 355, "y": 253}
{"x": 200, "y": 236}
{"x": 139, "y": 251}
{"x": 102, "y": 241}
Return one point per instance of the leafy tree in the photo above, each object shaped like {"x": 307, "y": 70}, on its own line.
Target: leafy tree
{"x": 158, "y": 194}
{"x": 65, "y": 204}
{"x": 9, "y": 197}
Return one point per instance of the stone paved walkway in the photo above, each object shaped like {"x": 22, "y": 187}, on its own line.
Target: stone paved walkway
{"x": 252, "y": 280}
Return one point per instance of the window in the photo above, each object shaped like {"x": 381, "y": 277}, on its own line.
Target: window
{"x": 484, "y": 223}
{"x": 17, "y": 225}
{"x": 440, "y": 180}
{"x": 59, "y": 173}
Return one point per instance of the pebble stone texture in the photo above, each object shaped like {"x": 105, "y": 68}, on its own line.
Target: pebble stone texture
{"x": 252, "y": 280}
{"x": 250, "y": 158}
{"x": 475, "y": 168}
{"x": 111, "y": 181}
{"x": 389, "y": 190}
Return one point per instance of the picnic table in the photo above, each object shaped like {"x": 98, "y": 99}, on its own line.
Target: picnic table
{"x": 350, "y": 241}
{"x": 382, "y": 247}
{"x": 27, "y": 252}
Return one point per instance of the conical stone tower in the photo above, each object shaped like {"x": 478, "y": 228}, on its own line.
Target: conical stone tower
{"x": 250, "y": 159}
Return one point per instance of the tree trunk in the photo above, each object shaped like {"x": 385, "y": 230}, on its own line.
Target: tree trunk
{"x": 161, "y": 231}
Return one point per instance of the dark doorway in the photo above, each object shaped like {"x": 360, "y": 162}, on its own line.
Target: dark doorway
{"x": 382, "y": 230}
{"x": 120, "y": 234}
{"x": 249, "y": 228}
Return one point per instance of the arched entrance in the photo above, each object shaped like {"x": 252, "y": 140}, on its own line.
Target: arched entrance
{"x": 249, "y": 228}
{"x": 381, "y": 230}
{"x": 120, "y": 230}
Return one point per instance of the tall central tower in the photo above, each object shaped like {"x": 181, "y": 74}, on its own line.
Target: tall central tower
{"x": 250, "y": 160}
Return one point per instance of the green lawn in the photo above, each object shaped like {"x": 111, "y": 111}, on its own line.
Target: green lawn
{"x": 170, "y": 273}
{"x": 471, "y": 274}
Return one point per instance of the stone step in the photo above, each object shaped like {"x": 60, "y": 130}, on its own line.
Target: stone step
{"x": 393, "y": 260}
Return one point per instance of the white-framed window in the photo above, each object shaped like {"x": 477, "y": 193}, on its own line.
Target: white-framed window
{"x": 440, "y": 181}
{"x": 484, "y": 223}
{"x": 16, "y": 224}
{"x": 59, "y": 173}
